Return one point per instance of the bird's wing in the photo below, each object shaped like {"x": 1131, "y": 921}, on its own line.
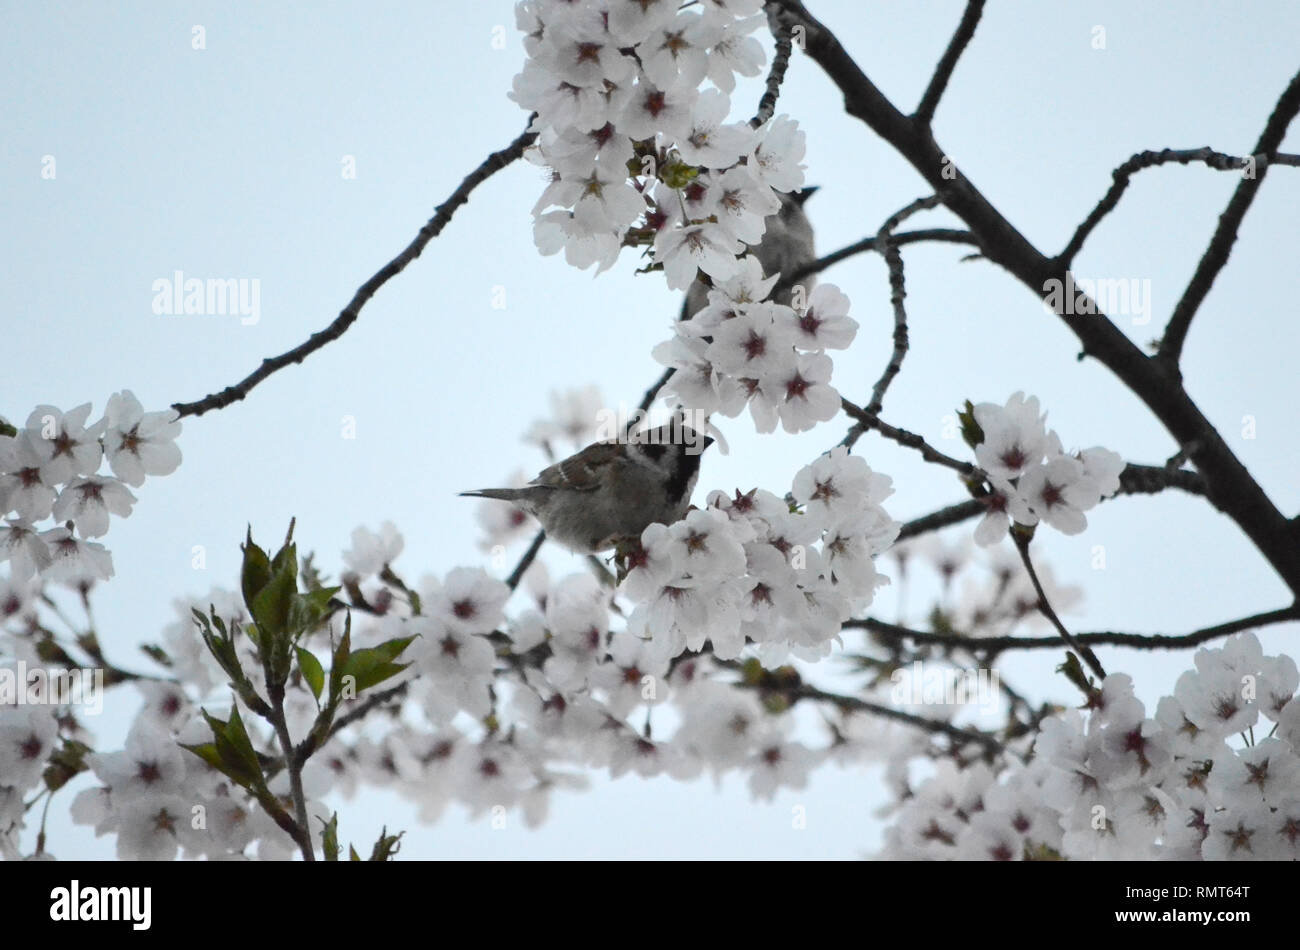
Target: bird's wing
{"x": 582, "y": 471}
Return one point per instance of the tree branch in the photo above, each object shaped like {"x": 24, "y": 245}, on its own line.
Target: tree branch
{"x": 1134, "y": 480}
{"x": 1021, "y": 539}
{"x": 911, "y": 440}
{"x": 775, "y": 75}
{"x": 432, "y": 228}
{"x": 1225, "y": 235}
{"x": 897, "y": 294}
{"x": 991, "y": 646}
{"x": 943, "y": 235}
{"x": 948, "y": 62}
{"x": 1231, "y": 487}
{"x": 1149, "y": 159}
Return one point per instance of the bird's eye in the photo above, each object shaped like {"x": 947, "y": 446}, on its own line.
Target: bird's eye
{"x": 653, "y": 452}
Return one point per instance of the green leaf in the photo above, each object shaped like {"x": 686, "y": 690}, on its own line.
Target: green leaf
{"x": 270, "y": 608}
{"x": 329, "y": 838}
{"x": 65, "y": 764}
{"x": 256, "y": 571}
{"x": 312, "y": 671}
{"x": 352, "y": 854}
{"x": 970, "y": 429}
{"x": 371, "y": 666}
{"x": 7, "y": 429}
{"x": 387, "y": 845}
{"x": 231, "y": 751}
{"x": 157, "y": 654}
{"x": 342, "y": 653}
{"x": 1074, "y": 672}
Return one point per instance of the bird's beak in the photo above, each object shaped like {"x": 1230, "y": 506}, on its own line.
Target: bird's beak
{"x": 708, "y": 440}
{"x": 805, "y": 193}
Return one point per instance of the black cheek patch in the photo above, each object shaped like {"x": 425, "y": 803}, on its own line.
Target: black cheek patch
{"x": 654, "y": 452}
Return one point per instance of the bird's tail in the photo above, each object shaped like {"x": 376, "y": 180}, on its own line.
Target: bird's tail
{"x": 501, "y": 494}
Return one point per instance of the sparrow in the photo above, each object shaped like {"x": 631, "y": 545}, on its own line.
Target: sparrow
{"x": 612, "y": 490}
{"x": 787, "y": 245}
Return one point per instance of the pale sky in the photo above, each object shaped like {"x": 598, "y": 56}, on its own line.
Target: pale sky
{"x": 226, "y": 162}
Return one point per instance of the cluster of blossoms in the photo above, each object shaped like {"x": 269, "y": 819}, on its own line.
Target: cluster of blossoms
{"x": 639, "y": 155}
{"x": 1114, "y": 783}
{"x": 754, "y": 568}
{"x": 507, "y": 710}
{"x": 742, "y": 350}
{"x": 49, "y": 469}
{"x": 1031, "y": 478}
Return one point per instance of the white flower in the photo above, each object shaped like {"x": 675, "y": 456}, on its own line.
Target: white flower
{"x": 577, "y": 50}
{"x": 74, "y": 561}
{"x": 468, "y": 601}
{"x": 825, "y": 323}
{"x": 707, "y": 247}
{"x": 809, "y": 398}
{"x": 851, "y": 547}
{"x": 710, "y": 140}
{"x": 151, "y": 763}
{"x": 777, "y": 763}
{"x": 1268, "y": 771}
{"x": 371, "y": 552}
{"x": 703, "y": 545}
{"x": 752, "y": 345}
{"x": 634, "y": 675}
{"x": 839, "y": 486}
{"x": 601, "y": 198}
{"x": 153, "y": 828}
{"x": 562, "y": 104}
{"x": 1003, "y": 504}
{"x": 488, "y": 775}
{"x": 744, "y": 204}
{"x": 140, "y": 443}
{"x": 736, "y": 51}
{"x": 696, "y": 384}
{"x": 1057, "y": 491}
{"x": 560, "y": 230}
{"x": 652, "y": 110}
{"x": 1278, "y": 682}
{"x": 89, "y": 501}
{"x": 22, "y": 489}
{"x": 747, "y": 285}
{"x": 676, "y": 53}
{"x": 65, "y": 443}
{"x": 1102, "y": 467}
{"x": 577, "y": 613}
{"x": 26, "y": 551}
{"x": 1015, "y": 437}
{"x": 28, "y": 734}
{"x": 631, "y": 21}
{"x": 1243, "y": 833}
{"x": 776, "y": 158}
{"x": 458, "y": 666}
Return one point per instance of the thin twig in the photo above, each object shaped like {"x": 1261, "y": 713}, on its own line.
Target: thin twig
{"x": 897, "y": 294}
{"x": 940, "y": 235}
{"x": 1150, "y": 159}
{"x": 775, "y": 75}
{"x": 1225, "y": 235}
{"x": 990, "y": 745}
{"x": 526, "y": 561}
{"x": 904, "y": 438}
{"x": 432, "y": 228}
{"x": 1133, "y": 480}
{"x": 1021, "y": 539}
{"x": 948, "y": 62}
{"x": 991, "y": 646}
